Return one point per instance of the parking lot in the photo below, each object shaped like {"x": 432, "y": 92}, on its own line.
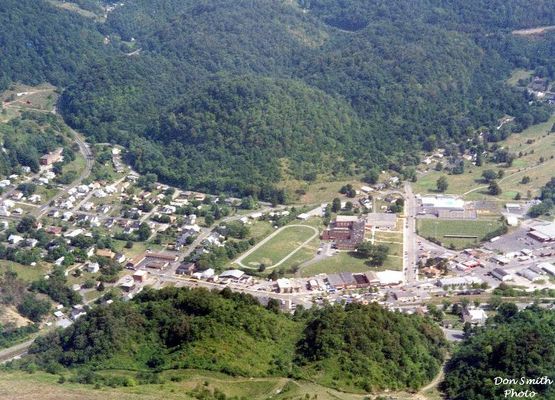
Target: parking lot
{"x": 519, "y": 240}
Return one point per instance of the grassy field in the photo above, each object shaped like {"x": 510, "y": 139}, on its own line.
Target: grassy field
{"x": 279, "y": 246}
{"x": 321, "y": 191}
{"x": 439, "y": 228}
{"x": 46, "y": 193}
{"x": 25, "y": 272}
{"x": 40, "y": 98}
{"x": 77, "y": 165}
{"x": 76, "y": 9}
{"x": 260, "y": 229}
{"x": 344, "y": 261}
{"x": 177, "y": 385}
{"x": 534, "y": 143}
{"x": 305, "y": 254}
{"x": 381, "y": 236}
{"x": 137, "y": 249}
{"x": 518, "y": 74}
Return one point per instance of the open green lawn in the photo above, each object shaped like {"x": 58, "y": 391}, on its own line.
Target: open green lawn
{"x": 46, "y": 192}
{"x": 273, "y": 251}
{"x": 260, "y": 229}
{"x": 437, "y": 229}
{"x": 25, "y": 272}
{"x": 344, "y": 261}
{"x": 77, "y": 165}
{"x": 72, "y": 7}
{"x": 306, "y": 253}
{"x": 321, "y": 191}
{"x": 518, "y": 74}
{"x": 388, "y": 236}
{"x": 137, "y": 249}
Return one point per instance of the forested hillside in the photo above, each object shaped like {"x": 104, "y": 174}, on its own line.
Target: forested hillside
{"x": 369, "y": 82}
{"x": 35, "y": 49}
{"x": 26, "y": 138}
{"x": 228, "y": 332}
{"x": 513, "y": 345}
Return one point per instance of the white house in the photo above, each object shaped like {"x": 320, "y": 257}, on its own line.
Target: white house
{"x": 93, "y": 268}
{"x": 15, "y": 239}
{"x": 475, "y": 316}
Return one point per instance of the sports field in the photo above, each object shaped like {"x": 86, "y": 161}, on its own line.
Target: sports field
{"x": 272, "y": 251}
{"x": 457, "y": 233}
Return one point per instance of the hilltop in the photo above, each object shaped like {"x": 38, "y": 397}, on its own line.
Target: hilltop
{"x": 378, "y": 82}
{"x": 347, "y": 349}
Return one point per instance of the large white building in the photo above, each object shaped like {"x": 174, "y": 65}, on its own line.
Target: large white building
{"x": 543, "y": 233}
{"x": 443, "y": 202}
{"x": 547, "y": 267}
{"x": 502, "y": 275}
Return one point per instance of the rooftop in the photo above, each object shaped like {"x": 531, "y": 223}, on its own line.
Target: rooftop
{"x": 546, "y": 230}
{"x": 346, "y": 218}
{"x": 232, "y": 273}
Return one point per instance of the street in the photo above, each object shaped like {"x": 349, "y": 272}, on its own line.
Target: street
{"x": 409, "y": 237}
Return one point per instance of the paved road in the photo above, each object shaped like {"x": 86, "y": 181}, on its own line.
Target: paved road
{"x": 268, "y": 238}
{"x": 297, "y": 298}
{"x": 15, "y": 351}
{"x": 409, "y": 236}
{"x": 453, "y": 335}
{"x": 91, "y": 193}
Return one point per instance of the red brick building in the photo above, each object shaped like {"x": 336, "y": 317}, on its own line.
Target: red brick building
{"x": 346, "y": 232}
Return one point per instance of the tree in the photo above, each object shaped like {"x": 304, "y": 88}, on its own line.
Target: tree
{"x": 489, "y": 175}
{"x": 525, "y": 179}
{"x": 494, "y": 189}
{"x": 376, "y": 254}
{"x": 398, "y": 206}
{"x": 371, "y": 177}
{"x": 33, "y": 308}
{"x": 478, "y": 159}
{"x": 144, "y": 232}
{"x": 336, "y": 205}
{"x": 248, "y": 203}
{"x": 27, "y": 223}
{"x": 273, "y": 305}
{"x": 467, "y": 330}
{"x": 435, "y": 312}
{"x": 442, "y": 184}
{"x": 348, "y": 190}
{"x": 27, "y": 189}
{"x": 208, "y": 220}
{"x": 147, "y": 181}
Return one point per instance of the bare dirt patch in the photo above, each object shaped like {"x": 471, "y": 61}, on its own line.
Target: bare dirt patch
{"x": 8, "y": 315}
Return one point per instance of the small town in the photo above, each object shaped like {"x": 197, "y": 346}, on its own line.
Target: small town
{"x": 102, "y": 239}
{"x": 277, "y": 200}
